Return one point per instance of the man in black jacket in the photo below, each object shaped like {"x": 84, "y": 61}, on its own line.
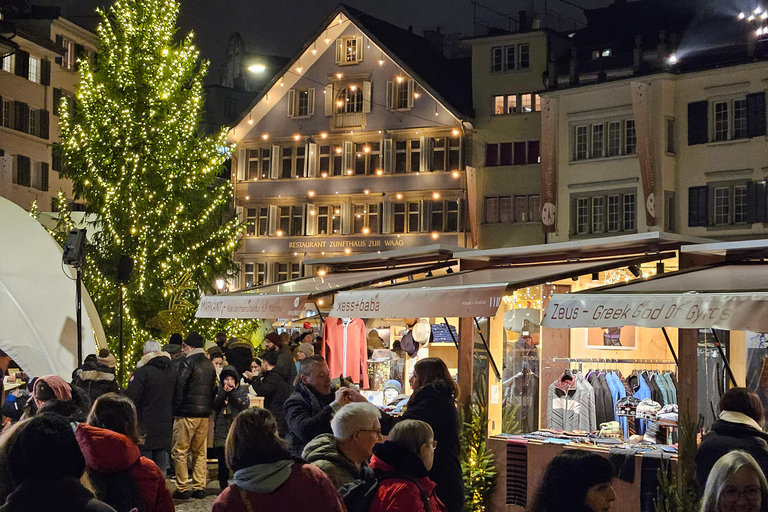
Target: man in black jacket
{"x": 152, "y": 387}
{"x": 271, "y": 385}
{"x": 196, "y": 384}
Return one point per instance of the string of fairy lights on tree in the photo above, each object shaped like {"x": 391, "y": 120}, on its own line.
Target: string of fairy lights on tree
{"x": 135, "y": 157}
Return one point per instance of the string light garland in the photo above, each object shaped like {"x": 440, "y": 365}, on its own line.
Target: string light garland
{"x": 134, "y": 154}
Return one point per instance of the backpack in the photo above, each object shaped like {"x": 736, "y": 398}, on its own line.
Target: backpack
{"x": 358, "y": 495}
{"x": 118, "y": 490}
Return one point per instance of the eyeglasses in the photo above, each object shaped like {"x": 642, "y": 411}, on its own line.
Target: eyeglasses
{"x": 376, "y": 431}
{"x": 733, "y": 495}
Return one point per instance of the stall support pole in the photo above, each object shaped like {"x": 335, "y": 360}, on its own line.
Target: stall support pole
{"x": 466, "y": 357}
{"x": 669, "y": 344}
{"x": 687, "y": 380}
{"x": 495, "y": 389}
{"x": 719, "y": 347}
{"x": 488, "y": 350}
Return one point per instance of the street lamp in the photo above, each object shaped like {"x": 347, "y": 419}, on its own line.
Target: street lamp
{"x": 257, "y": 68}
{"x": 220, "y": 284}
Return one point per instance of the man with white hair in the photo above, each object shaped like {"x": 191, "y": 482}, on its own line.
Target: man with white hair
{"x": 152, "y": 389}
{"x": 344, "y": 455}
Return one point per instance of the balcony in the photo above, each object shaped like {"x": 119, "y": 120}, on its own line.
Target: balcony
{"x": 349, "y": 120}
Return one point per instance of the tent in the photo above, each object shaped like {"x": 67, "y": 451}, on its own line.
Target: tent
{"x": 38, "y": 327}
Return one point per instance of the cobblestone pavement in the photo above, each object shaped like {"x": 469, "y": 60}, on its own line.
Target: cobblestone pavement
{"x": 203, "y": 505}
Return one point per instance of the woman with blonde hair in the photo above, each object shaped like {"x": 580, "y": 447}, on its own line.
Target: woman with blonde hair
{"x": 735, "y": 484}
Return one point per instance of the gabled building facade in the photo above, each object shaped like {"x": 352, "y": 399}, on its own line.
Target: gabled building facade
{"x": 358, "y": 145}
{"x": 32, "y": 82}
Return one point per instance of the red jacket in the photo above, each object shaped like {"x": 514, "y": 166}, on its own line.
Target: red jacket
{"x": 109, "y": 452}
{"x": 357, "y": 349}
{"x": 308, "y": 488}
{"x": 399, "y": 495}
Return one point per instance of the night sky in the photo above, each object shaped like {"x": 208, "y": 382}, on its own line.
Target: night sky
{"x": 280, "y": 27}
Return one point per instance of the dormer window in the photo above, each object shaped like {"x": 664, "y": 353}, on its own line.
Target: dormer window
{"x": 349, "y": 50}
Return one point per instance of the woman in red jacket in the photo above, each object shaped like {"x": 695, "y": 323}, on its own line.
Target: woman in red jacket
{"x": 109, "y": 442}
{"x": 267, "y": 478}
{"x": 407, "y": 456}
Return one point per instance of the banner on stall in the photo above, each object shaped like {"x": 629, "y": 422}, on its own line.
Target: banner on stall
{"x": 252, "y": 306}
{"x": 731, "y": 311}
{"x": 444, "y": 301}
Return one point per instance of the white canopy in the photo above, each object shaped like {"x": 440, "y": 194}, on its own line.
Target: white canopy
{"x": 38, "y": 326}
{"x": 725, "y": 296}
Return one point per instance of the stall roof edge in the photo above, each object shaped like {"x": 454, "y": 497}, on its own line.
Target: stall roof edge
{"x": 435, "y": 252}
{"x": 728, "y": 249}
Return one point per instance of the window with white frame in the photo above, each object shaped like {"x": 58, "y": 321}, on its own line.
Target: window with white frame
{"x": 510, "y": 57}
{"x": 254, "y": 274}
{"x": 69, "y": 59}
{"x": 301, "y": 102}
{"x": 497, "y": 59}
{"x": 367, "y": 157}
{"x": 366, "y": 219}
{"x": 446, "y": 158}
{"x": 414, "y": 217}
{"x": 401, "y": 156}
{"x": 281, "y": 272}
{"x": 398, "y": 217}
{"x": 729, "y": 203}
{"x": 604, "y": 212}
{"x": 349, "y": 100}
{"x": 729, "y": 119}
{"x": 328, "y": 220}
{"x": 516, "y": 104}
{"x": 34, "y": 122}
{"x": 523, "y": 56}
{"x": 604, "y": 139}
{"x": 9, "y": 63}
{"x": 349, "y": 50}
{"x": 722, "y": 121}
{"x": 491, "y": 210}
{"x": 740, "y": 118}
{"x": 34, "y": 69}
{"x": 7, "y": 118}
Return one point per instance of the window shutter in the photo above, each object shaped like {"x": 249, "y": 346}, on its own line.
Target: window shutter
{"x": 390, "y": 94}
{"x": 44, "y": 171}
{"x": 426, "y": 215}
{"x": 460, "y": 216}
{"x": 56, "y": 100}
{"x": 756, "y": 114}
{"x": 339, "y": 51}
{"x": 311, "y": 219}
{"x": 311, "y": 101}
{"x": 22, "y": 64}
{"x": 348, "y": 160}
{"x": 411, "y": 89}
{"x": 242, "y": 161}
{"x": 756, "y": 202}
{"x": 311, "y": 160}
{"x": 45, "y": 123}
{"x": 79, "y": 54}
{"x": 291, "y": 102}
{"x": 386, "y": 155}
{"x": 60, "y": 43}
{"x": 346, "y": 218}
{"x": 272, "y": 219}
{"x": 358, "y": 48}
{"x": 698, "y": 202}
{"x": 271, "y": 272}
{"x": 386, "y": 216}
{"x": 698, "y": 125}
{"x": 23, "y": 176}
{"x": 366, "y": 97}
{"x": 328, "y": 100}
{"x": 21, "y": 116}
{"x": 239, "y": 211}
{"x": 45, "y": 72}
{"x": 427, "y": 146}
{"x": 274, "y": 169}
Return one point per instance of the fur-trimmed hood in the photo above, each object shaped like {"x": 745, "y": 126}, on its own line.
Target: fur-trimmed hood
{"x": 152, "y": 355}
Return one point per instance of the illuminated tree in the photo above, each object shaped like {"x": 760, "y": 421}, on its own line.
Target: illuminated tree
{"x": 135, "y": 157}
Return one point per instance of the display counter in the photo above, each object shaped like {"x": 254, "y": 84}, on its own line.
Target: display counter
{"x": 520, "y": 465}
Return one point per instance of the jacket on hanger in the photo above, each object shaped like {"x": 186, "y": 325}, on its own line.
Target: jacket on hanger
{"x": 345, "y": 348}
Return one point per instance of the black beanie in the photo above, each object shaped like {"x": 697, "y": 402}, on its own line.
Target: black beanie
{"x": 45, "y": 449}
{"x": 194, "y": 340}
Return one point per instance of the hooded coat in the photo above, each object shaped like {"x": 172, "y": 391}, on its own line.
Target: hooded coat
{"x": 727, "y": 436}
{"x": 282, "y": 486}
{"x": 323, "y": 452}
{"x": 308, "y": 415}
{"x": 399, "y": 494}
{"x": 106, "y": 451}
{"x": 275, "y": 390}
{"x": 152, "y": 387}
{"x": 95, "y": 379}
{"x": 435, "y": 405}
{"x": 227, "y": 405}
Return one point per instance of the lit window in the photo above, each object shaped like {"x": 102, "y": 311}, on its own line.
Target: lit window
{"x": 498, "y": 105}
{"x": 9, "y": 63}
{"x": 350, "y": 99}
{"x": 34, "y": 69}
{"x": 526, "y": 103}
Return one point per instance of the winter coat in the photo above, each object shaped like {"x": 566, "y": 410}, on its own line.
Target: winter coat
{"x": 95, "y": 379}
{"x": 228, "y": 405}
{"x": 435, "y": 405}
{"x": 196, "y": 384}
{"x": 299, "y": 487}
{"x": 240, "y": 355}
{"x": 152, "y": 388}
{"x": 275, "y": 391}
{"x": 399, "y": 494}
{"x": 308, "y": 415}
{"x": 285, "y": 367}
{"x": 64, "y": 495}
{"x": 106, "y": 451}
{"x": 323, "y": 453}
{"x": 727, "y": 436}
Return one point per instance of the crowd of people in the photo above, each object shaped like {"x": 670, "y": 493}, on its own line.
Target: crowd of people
{"x": 87, "y": 445}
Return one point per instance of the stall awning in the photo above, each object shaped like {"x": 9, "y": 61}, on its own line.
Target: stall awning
{"x": 725, "y": 296}
{"x": 286, "y": 299}
{"x": 464, "y": 294}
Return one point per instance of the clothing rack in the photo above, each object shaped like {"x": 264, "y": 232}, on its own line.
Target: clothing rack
{"x": 615, "y": 361}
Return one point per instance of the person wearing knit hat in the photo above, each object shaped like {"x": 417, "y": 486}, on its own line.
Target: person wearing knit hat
{"x": 285, "y": 367}
{"x": 106, "y": 358}
{"x": 49, "y": 387}
{"x": 393, "y": 393}
{"x": 96, "y": 375}
{"x": 302, "y": 351}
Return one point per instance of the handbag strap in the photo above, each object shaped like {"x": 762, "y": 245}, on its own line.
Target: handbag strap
{"x": 244, "y": 497}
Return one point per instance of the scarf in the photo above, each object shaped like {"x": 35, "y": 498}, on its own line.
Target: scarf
{"x": 264, "y": 478}
{"x": 738, "y": 417}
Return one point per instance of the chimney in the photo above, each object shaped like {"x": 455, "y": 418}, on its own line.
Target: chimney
{"x": 574, "y": 77}
{"x": 553, "y": 83}
{"x": 662, "y": 51}
{"x": 637, "y": 61}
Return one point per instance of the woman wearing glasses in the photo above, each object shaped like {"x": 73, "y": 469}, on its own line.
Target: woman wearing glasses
{"x": 735, "y": 484}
